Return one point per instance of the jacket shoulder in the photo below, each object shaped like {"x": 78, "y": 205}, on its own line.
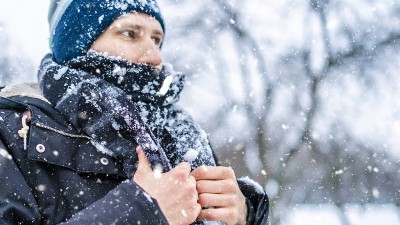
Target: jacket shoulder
{"x": 47, "y": 128}
{"x": 29, "y": 90}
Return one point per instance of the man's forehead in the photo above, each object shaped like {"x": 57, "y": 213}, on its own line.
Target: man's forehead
{"x": 138, "y": 17}
{"x": 138, "y": 21}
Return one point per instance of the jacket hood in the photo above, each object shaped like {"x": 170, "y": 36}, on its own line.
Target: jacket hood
{"x": 31, "y": 90}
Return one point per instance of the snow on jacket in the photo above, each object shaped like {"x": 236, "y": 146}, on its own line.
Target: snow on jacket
{"x": 62, "y": 178}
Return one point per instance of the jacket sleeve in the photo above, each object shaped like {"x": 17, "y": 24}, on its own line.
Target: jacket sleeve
{"x": 256, "y": 200}
{"x": 17, "y": 204}
{"x": 125, "y": 204}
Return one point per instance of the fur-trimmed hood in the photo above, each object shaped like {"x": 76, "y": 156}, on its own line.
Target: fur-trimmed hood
{"x": 31, "y": 90}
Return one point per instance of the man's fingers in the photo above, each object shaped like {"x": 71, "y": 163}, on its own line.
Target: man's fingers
{"x": 211, "y": 186}
{"x": 215, "y": 214}
{"x": 144, "y": 165}
{"x": 217, "y": 200}
{"x": 213, "y": 173}
{"x": 183, "y": 168}
{"x": 197, "y": 209}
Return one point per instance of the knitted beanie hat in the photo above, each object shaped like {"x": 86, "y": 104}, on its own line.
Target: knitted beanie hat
{"x": 76, "y": 24}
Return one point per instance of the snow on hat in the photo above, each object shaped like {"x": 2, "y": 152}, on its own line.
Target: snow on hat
{"x": 76, "y": 24}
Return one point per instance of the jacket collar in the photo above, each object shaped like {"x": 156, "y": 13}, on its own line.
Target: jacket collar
{"x": 31, "y": 90}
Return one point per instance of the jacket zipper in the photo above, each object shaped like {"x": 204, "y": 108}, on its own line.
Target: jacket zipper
{"x": 62, "y": 132}
{"x": 27, "y": 118}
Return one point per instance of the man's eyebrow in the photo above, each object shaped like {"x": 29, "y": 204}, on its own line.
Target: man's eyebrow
{"x": 138, "y": 27}
{"x": 157, "y": 32}
{"x": 133, "y": 26}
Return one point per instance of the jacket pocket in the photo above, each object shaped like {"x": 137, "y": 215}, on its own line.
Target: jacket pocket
{"x": 73, "y": 151}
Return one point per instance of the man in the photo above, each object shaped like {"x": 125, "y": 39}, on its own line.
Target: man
{"x": 101, "y": 140}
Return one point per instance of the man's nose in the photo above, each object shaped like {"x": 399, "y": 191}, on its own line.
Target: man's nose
{"x": 151, "y": 54}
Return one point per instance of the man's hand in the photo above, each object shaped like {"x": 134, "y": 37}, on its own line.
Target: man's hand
{"x": 175, "y": 191}
{"x": 220, "y": 196}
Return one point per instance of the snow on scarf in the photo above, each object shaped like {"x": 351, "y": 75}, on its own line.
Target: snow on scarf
{"x": 121, "y": 104}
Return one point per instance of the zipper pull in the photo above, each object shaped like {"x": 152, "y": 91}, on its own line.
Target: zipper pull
{"x": 23, "y": 132}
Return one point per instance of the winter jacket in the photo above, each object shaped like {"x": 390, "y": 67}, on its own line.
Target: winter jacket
{"x": 56, "y": 175}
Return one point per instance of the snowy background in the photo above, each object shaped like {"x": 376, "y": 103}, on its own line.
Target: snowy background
{"x": 299, "y": 95}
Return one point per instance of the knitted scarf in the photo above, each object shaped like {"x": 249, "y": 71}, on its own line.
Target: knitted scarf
{"x": 120, "y": 105}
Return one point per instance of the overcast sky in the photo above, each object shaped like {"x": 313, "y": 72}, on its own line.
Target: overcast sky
{"x": 25, "y": 21}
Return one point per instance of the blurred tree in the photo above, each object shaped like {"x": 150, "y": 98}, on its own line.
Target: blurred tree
{"x": 4, "y": 61}
{"x": 13, "y": 65}
{"x": 289, "y": 82}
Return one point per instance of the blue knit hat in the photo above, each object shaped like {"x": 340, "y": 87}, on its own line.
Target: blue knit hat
{"x": 76, "y": 24}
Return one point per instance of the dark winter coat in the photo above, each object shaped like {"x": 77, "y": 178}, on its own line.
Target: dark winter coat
{"x": 62, "y": 177}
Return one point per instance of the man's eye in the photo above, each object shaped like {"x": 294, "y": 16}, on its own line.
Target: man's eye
{"x": 128, "y": 33}
{"x": 156, "y": 40}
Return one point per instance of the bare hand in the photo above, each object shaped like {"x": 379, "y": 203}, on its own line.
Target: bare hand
{"x": 175, "y": 191}
{"x": 220, "y": 196}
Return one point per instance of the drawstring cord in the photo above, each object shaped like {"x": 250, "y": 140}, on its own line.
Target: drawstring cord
{"x": 25, "y": 128}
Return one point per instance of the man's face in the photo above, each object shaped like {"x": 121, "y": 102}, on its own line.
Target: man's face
{"x": 136, "y": 37}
